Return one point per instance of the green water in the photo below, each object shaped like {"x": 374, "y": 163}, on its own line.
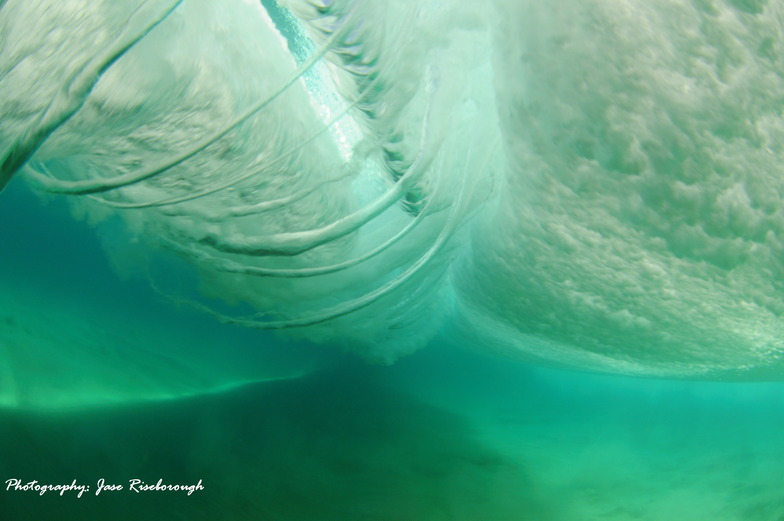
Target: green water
{"x": 446, "y": 434}
{"x": 355, "y": 443}
{"x": 523, "y": 260}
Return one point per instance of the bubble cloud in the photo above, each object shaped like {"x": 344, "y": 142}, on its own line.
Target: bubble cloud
{"x": 584, "y": 183}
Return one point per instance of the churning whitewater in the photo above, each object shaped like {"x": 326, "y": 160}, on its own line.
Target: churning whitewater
{"x": 587, "y": 183}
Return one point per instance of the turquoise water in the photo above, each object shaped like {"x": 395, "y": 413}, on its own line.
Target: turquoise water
{"x": 104, "y": 378}
{"x": 395, "y": 261}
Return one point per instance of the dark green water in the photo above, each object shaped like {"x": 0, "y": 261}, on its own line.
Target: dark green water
{"x": 103, "y": 379}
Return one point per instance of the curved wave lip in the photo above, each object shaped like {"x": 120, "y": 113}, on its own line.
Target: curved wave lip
{"x": 582, "y": 184}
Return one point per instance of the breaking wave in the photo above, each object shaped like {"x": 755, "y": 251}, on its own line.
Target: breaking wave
{"x": 582, "y": 183}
